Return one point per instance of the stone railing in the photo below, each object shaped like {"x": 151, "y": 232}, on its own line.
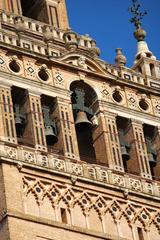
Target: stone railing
{"x": 28, "y": 24}
{"x": 127, "y": 74}
{"x": 102, "y": 175}
{"x": 34, "y": 36}
{"x": 132, "y": 76}
{"x": 45, "y": 31}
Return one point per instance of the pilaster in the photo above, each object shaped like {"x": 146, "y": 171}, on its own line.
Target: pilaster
{"x": 138, "y": 162}
{"x": 57, "y": 14}
{"x": 7, "y": 126}
{"x": 145, "y": 68}
{"x": 67, "y": 141}
{"x": 34, "y": 131}
{"x": 11, "y": 6}
{"x": 106, "y": 142}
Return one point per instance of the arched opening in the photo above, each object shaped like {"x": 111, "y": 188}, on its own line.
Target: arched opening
{"x": 20, "y": 115}
{"x": 122, "y": 124}
{"x": 150, "y": 137}
{"x": 50, "y": 125}
{"x": 152, "y": 69}
{"x": 139, "y": 69}
{"x": 83, "y": 97}
{"x": 35, "y": 9}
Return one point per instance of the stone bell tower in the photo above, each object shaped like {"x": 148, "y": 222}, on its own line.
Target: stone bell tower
{"x": 79, "y": 138}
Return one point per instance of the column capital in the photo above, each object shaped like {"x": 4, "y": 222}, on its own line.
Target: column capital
{"x": 34, "y": 92}
{"x": 63, "y": 101}
{"x": 110, "y": 114}
{"x": 136, "y": 121}
{"x": 6, "y": 85}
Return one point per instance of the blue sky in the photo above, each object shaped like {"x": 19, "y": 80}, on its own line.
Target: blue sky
{"x": 107, "y": 21}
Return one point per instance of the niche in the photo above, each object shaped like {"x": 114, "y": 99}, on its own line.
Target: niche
{"x": 140, "y": 233}
{"x": 83, "y": 97}
{"x": 63, "y": 213}
{"x": 152, "y": 69}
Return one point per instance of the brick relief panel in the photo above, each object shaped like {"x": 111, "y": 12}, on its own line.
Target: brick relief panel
{"x": 156, "y": 105}
{"x": 63, "y": 203}
{"x": 7, "y": 129}
{"x": 132, "y": 100}
{"x": 58, "y": 78}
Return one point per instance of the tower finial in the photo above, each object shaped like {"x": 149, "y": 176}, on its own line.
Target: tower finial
{"x": 139, "y": 33}
{"x": 137, "y": 13}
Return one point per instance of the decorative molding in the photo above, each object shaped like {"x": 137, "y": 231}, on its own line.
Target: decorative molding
{"x": 101, "y": 175}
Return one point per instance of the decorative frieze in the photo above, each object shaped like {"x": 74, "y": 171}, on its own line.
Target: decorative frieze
{"x": 51, "y": 162}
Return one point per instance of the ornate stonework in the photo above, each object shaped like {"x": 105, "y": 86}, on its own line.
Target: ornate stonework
{"x": 58, "y": 178}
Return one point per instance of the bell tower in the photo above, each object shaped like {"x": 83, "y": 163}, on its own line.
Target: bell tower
{"x": 52, "y": 12}
{"x": 79, "y": 138}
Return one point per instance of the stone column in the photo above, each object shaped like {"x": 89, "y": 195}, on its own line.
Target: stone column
{"x": 11, "y": 6}
{"x": 138, "y": 162}
{"x": 106, "y": 141}
{"x": 67, "y": 140}
{"x": 7, "y": 126}
{"x": 34, "y": 131}
{"x": 146, "y": 69}
{"x": 2, "y": 4}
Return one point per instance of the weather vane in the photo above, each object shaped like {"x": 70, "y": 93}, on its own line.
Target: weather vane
{"x": 137, "y": 13}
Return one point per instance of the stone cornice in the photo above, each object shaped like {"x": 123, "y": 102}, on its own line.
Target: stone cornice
{"x": 132, "y": 113}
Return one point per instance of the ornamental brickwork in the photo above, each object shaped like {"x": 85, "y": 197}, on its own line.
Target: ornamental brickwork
{"x": 79, "y": 138}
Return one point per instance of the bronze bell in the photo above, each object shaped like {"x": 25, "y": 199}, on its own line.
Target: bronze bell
{"x": 20, "y": 120}
{"x": 124, "y": 146}
{"x": 152, "y": 159}
{"x": 82, "y": 121}
{"x": 151, "y": 152}
{"x": 125, "y": 155}
{"x": 50, "y": 134}
{"x": 50, "y": 127}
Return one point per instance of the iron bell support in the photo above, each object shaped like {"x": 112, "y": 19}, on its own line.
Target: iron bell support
{"x": 50, "y": 127}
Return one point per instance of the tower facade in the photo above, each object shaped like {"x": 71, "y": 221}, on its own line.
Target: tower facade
{"x": 79, "y": 138}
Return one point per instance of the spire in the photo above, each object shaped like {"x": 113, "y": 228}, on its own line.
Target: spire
{"x": 139, "y": 33}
